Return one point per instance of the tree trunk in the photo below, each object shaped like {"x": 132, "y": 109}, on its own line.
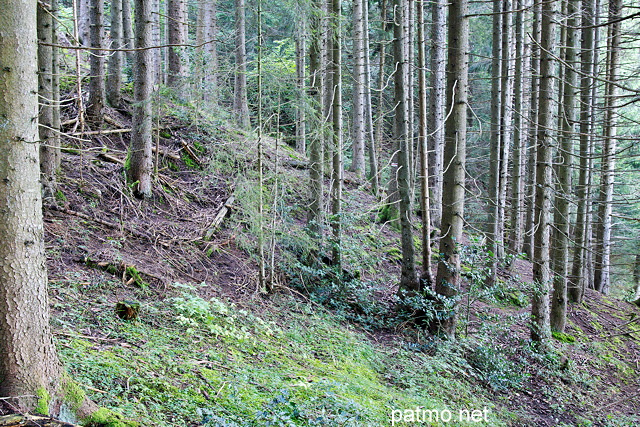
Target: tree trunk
{"x": 114, "y": 74}
{"x": 29, "y": 364}
{"x": 607, "y": 175}
{"x": 408, "y": 279}
{"x": 301, "y": 77}
{"x": 84, "y": 22}
{"x": 140, "y": 156}
{"x": 96, "y": 63}
{"x": 358, "y": 144}
{"x": 127, "y": 29}
{"x": 494, "y": 235}
{"x": 425, "y": 205}
{"x": 579, "y": 272}
{"x": 563, "y": 188}
{"x": 49, "y": 151}
{"x": 369, "y": 135}
{"x": 336, "y": 124}
{"x": 540, "y": 327}
{"x": 519, "y": 132}
{"x": 177, "y": 30}
{"x": 240, "y": 103}
{"x": 156, "y": 40}
{"x": 437, "y": 104}
{"x": 453, "y": 191}
{"x": 316, "y": 74}
{"x": 211, "y": 74}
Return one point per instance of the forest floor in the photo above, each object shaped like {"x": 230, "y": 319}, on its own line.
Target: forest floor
{"x": 208, "y": 347}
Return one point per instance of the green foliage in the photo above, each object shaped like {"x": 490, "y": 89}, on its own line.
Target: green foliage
{"x": 493, "y": 367}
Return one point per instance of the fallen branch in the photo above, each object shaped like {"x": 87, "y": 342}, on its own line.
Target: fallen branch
{"x": 24, "y": 420}
{"x": 219, "y": 218}
{"x": 190, "y": 152}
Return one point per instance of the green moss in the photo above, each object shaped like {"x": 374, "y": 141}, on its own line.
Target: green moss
{"x": 42, "y": 407}
{"x": 135, "y": 275}
{"x": 562, "y": 337}
{"x": 72, "y": 393}
{"x": 106, "y": 418}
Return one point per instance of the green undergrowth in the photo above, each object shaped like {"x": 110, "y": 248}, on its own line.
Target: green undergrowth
{"x": 187, "y": 361}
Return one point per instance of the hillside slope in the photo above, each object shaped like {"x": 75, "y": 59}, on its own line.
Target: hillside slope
{"x": 209, "y": 348}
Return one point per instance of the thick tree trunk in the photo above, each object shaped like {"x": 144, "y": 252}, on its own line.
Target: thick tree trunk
{"x": 603, "y": 230}
{"x": 114, "y": 72}
{"x": 140, "y": 156}
{"x": 563, "y": 189}
{"x": 448, "y": 276}
{"x": 28, "y": 364}
{"x": 540, "y": 322}
{"x": 437, "y": 104}
{"x": 240, "y": 103}
{"x": 96, "y": 63}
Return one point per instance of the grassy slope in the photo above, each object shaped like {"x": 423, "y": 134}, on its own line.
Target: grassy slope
{"x": 219, "y": 353}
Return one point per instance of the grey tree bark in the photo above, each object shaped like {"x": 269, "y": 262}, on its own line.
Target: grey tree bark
{"x": 84, "y": 21}
{"x": 369, "y": 130}
{"x": 29, "y": 361}
{"x": 540, "y": 322}
{"x": 177, "y": 35}
{"x": 408, "y": 278}
{"x": 140, "y": 155}
{"x": 563, "y": 188}
{"x": 127, "y": 29}
{"x": 301, "y": 78}
{"x": 453, "y": 190}
{"x": 114, "y": 65}
{"x": 49, "y": 142}
{"x": 603, "y": 226}
{"x": 96, "y": 63}
{"x": 577, "y": 280}
{"x": 437, "y": 104}
{"x": 359, "y": 120}
{"x": 335, "y": 72}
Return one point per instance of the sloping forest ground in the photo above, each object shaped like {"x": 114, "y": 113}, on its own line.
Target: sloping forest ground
{"x": 207, "y": 347}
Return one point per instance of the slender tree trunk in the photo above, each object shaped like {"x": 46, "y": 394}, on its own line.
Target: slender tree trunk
{"x": 358, "y": 144}
{"x": 127, "y": 29}
{"x": 530, "y": 188}
{"x": 49, "y": 151}
{"x": 425, "y": 201}
{"x": 301, "y": 78}
{"x": 336, "y": 115}
{"x": 519, "y": 132}
{"x": 156, "y": 40}
{"x": 448, "y": 276}
{"x": 540, "y": 328}
{"x": 177, "y": 30}
{"x": 29, "y": 362}
{"x": 437, "y": 104}
{"x": 316, "y": 74}
{"x": 607, "y": 175}
{"x": 211, "y": 76}
{"x": 84, "y": 22}
{"x": 494, "y": 235}
{"x": 636, "y": 281}
{"x": 369, "y": 135}
{"x": 579, "y": 273}
{"x": 408, "y": 279}
{"x": 55, "y": 80}
{"x": 563, "y": 189}
{"x": 380, "y": 117}
{"x": 140, "y": 156}
{"x": 114, "y": 74}
{"x": 240, "y": 103}
{"x": 96, "y": 64}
